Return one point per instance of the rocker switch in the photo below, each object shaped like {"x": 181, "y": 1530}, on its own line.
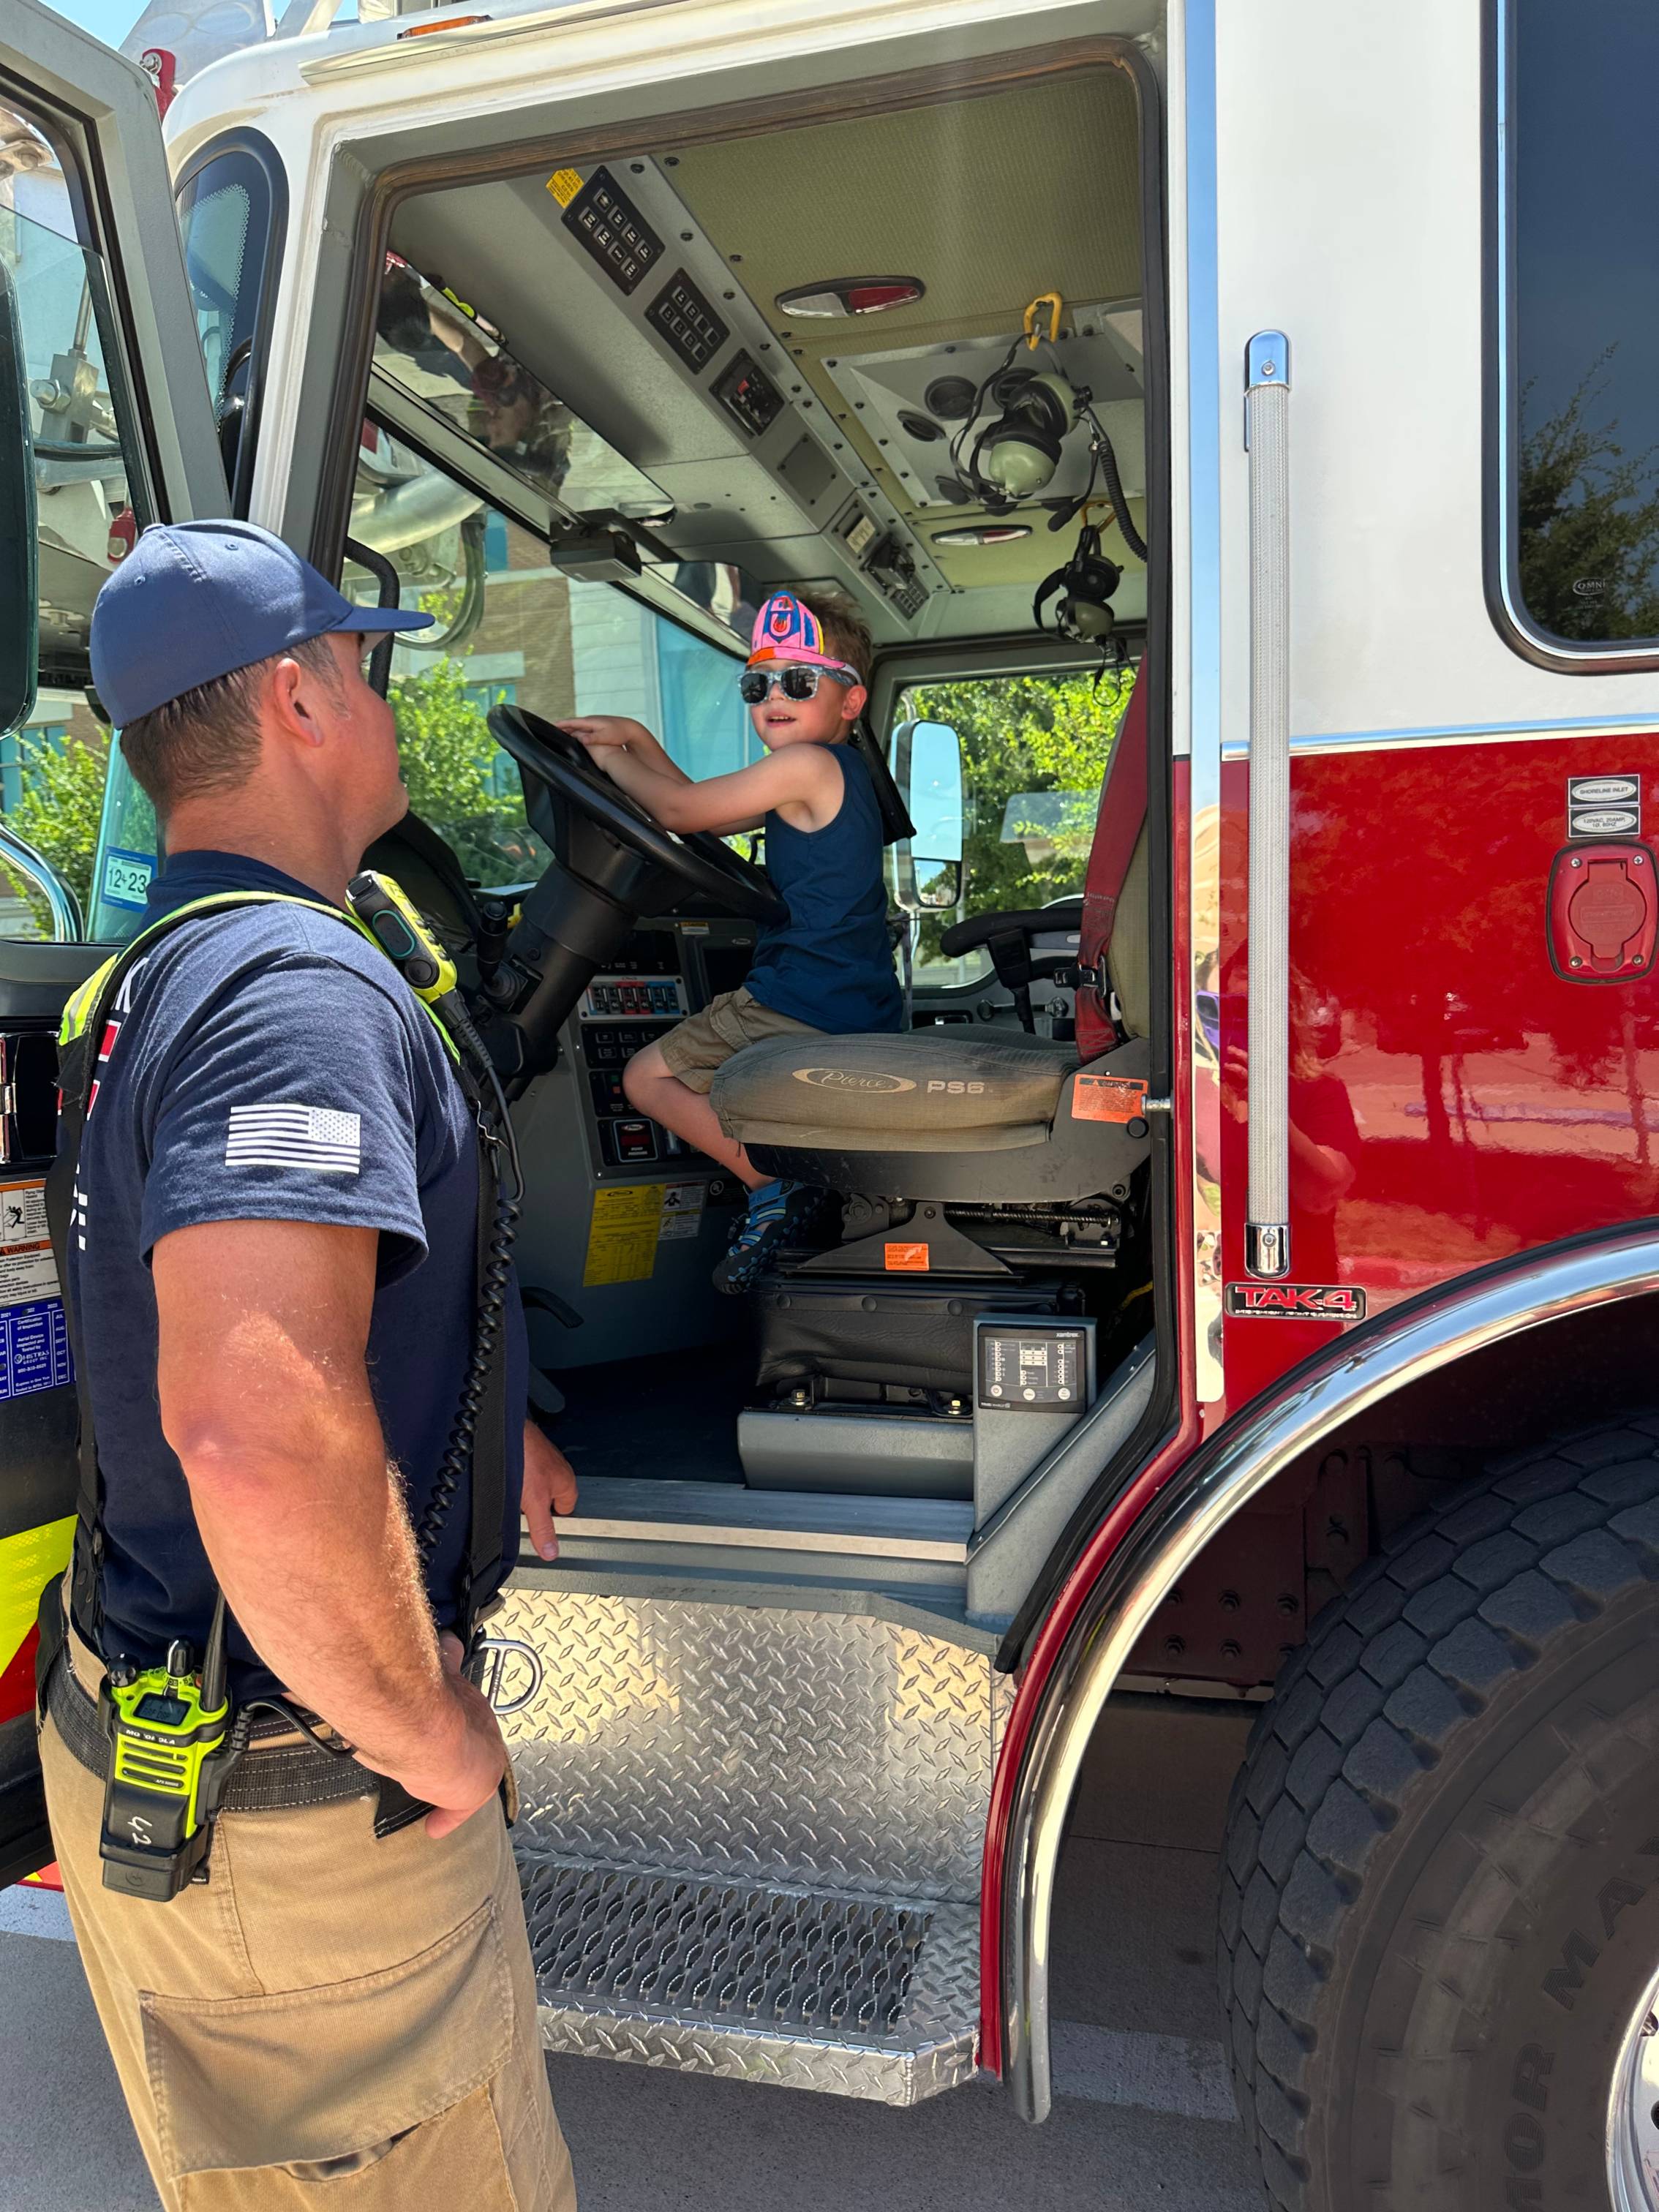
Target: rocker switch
{"x": 1603, "y": 913}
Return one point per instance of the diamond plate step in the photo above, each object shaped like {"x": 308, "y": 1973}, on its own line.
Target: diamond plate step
{"x": 860, "y": 1996}
{"x": 750, "y": 1836}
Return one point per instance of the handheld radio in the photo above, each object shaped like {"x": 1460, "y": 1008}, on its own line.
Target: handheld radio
{"x": 171, "y": 1753}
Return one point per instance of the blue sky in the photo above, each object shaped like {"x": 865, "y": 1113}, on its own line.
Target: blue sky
{"x": 110, "y": 19}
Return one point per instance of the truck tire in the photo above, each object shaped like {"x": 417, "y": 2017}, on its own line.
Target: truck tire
{"x": 1440, "y": 1890}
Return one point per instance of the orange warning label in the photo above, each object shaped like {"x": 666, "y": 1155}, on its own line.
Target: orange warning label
{"x": 564, "y": 184}
{"x": 906, "y": 1258}
{"x": 1108, "y": 1098}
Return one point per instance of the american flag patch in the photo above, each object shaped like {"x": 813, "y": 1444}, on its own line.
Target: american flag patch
{"x": 290, "y": 1136}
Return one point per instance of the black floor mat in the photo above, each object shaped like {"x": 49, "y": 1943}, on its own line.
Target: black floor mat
{"x": 674, "y": 1417}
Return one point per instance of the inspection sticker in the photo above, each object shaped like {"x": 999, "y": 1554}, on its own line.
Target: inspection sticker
{"x": 682, "y": 1211}
{"x": 126, "y": 879}
{"x": 621, "y": 1236}
{"x": 35, "y": 1353}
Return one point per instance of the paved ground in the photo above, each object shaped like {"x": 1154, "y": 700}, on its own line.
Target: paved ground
{"x": 1143, "y": 2121}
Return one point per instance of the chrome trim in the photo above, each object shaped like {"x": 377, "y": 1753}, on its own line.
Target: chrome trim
{"x": 1267, "y": 1248}
{"x": 1195, "y": 509}
{"x": 1399, "y": 1348}
{"x": 1633, "y": 2125}
{"x": 1502, "y": 439}
{"x": 1459, "y": 733}
{"x": 1267, "y": 1038}
{"x": 952, "y": 1552}
{"x": 67, "y": 925}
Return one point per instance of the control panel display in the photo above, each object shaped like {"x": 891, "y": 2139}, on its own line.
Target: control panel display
{"x": 685, "y": 318}
{"x": 749, "y": 398}
{"x": 1026, "y": 1370}
{"x": 614, "y": 231}
{"x": 610, "y": 997}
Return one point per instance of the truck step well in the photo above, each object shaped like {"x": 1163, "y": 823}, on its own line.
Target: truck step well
{"x": 863, "y": 1996}
{"x": 749, "y": 1837}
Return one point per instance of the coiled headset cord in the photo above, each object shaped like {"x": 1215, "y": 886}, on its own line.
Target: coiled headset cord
{"x": 496, "y": 1275}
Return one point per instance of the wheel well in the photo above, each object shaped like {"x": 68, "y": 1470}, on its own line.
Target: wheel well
{"x": 1241, "y": 1607}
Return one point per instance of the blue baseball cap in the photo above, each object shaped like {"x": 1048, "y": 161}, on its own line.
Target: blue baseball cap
{"x": 194, "y": 600}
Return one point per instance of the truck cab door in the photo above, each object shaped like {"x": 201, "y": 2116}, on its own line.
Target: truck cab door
{"x": 105, "y": 425}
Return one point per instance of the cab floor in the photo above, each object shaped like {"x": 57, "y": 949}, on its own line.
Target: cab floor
{"x": 673, "y": 1415}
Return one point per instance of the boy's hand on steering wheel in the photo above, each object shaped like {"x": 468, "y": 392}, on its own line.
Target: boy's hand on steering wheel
{"x": 600, "y": 732}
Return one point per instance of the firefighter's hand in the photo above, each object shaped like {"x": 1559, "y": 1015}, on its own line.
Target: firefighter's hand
{"x": 550, "y": 1487}
{"x": 468, "y": 1760}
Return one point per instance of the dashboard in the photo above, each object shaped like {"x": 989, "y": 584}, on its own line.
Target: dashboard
{"x": 664, "y": 971}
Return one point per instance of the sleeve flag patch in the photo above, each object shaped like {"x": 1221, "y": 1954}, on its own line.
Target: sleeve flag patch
{"x": 287, "y": 1135}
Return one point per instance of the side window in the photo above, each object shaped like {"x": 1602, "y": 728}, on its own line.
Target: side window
{"x": 1034, "y": 751}
{"x": 52, "y": 769}
{"x": 510, "y": 627}
{"x": 1580, "y": 177}
{"x": 231, "y": 208}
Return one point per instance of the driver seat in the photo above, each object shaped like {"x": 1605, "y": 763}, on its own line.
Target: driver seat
{"x": 1004, "y": 1121}
{"x": 924, "y": 1092}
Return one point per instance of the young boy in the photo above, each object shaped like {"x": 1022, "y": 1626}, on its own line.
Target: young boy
{"x": 828, "y": 969}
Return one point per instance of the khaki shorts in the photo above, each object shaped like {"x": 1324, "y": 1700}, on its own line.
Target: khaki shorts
{"x": 700, "y": 1045}
{"x": 331, "y": 2023}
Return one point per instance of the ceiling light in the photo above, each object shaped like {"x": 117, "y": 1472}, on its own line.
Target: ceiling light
{"x": 841, "y": 297}
{"x": 982, "y": 533}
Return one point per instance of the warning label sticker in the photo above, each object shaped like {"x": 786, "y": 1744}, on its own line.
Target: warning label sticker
{"x": 621, "y": 1236}
{"x": 25, "y": 1276}
{"x": 1108, "y": 1098}
{"x": 906, "y": 1258}
{"x": 23, "y": 1215}
{"x": 682, "y": 1211}
{"x": 564, "y": 184}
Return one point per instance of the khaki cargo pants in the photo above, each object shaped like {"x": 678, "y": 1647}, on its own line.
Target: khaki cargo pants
{"x": 329, "y": 2024}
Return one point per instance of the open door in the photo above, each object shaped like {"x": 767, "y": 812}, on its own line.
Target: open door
{"x": 105, "y": 425}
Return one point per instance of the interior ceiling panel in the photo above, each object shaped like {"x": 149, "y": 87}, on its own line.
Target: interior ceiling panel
{"x": 989, "y": 200}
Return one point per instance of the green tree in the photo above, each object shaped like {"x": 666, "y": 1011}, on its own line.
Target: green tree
{"x": 1026, "y": 736}
{"x": 59, "y": 809}
{"x": 457, "y": 775}
{"x": 1588, "y": 521}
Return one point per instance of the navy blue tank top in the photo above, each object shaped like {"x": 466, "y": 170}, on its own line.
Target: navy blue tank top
{"x": 830, "y": 963}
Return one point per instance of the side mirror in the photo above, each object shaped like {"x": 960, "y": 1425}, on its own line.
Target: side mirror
{"x": 20, "y": 601}
{"x": 925, "y": 758}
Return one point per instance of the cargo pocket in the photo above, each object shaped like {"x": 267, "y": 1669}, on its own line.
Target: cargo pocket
{"x": 326, "y": 2083}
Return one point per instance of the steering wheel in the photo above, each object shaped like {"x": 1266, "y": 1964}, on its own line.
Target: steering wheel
{"x": 701, "y": 862}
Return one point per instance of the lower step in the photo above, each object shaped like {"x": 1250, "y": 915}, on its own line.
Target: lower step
{"x": 865, "y": 1996}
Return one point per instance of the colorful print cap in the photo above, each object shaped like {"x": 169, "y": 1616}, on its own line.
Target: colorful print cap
{"x": 785, "y": 630}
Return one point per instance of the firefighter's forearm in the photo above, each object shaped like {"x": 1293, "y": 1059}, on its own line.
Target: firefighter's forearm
{"x": 265, "y": 1398}
{"x": 316, "y": 1561}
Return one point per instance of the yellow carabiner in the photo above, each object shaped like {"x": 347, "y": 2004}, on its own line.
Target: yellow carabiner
{"x": 1054, "y": 304}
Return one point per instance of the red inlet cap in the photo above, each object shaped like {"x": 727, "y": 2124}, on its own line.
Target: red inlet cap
{"x": 1603, "y": 913}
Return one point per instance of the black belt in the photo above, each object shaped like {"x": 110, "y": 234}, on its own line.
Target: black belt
{"x": 267, "y": 1778}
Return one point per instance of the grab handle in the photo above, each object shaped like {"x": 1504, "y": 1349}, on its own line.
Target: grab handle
{"x": 1266, "y": 438}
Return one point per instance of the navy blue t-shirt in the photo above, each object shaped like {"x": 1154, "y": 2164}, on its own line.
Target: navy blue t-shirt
{"x": 271, "y": 1064}
{"x": 831, "y": 964}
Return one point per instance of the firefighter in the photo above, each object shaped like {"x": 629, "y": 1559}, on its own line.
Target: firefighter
{"x": 272, "y": 1270}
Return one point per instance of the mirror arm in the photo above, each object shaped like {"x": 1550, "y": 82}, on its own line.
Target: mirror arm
{"x": 68, "y": 927}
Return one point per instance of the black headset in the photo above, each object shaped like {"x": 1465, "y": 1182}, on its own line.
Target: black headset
{"x": 1087, "y": 582}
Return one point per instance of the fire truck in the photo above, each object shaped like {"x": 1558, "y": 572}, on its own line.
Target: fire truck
{"x": 1241, "y": 1279}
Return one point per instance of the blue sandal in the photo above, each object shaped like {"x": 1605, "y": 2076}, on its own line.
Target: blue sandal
{"x": 776, "y": 1212}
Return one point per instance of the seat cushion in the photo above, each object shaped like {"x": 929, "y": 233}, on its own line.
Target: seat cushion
{"x": 933, "y": 1090}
